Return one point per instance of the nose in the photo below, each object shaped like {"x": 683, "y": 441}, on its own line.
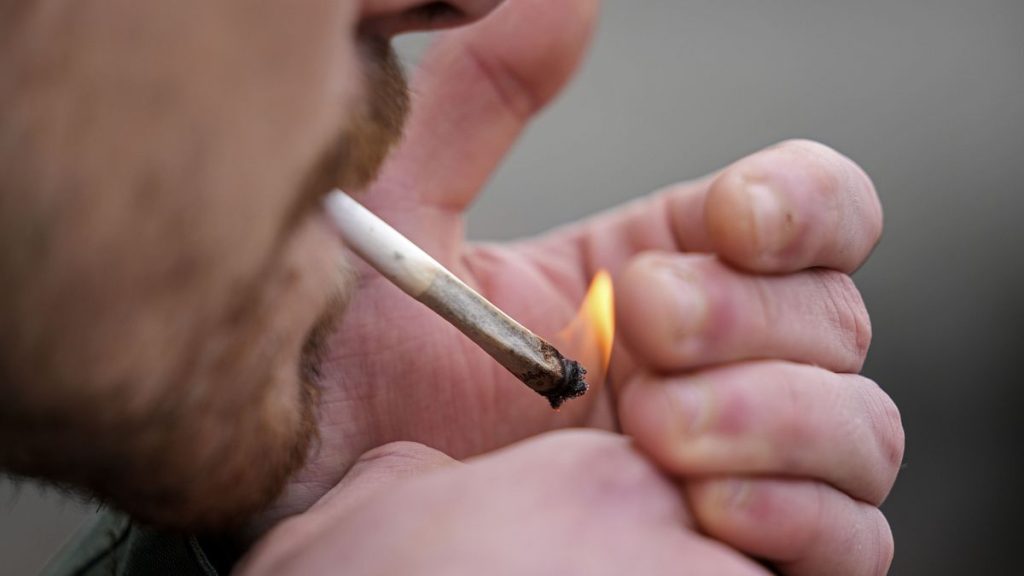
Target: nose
{"x": 387, "y": 18}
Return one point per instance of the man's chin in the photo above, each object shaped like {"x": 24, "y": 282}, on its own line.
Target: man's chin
{"x": 208, "y": 482}
{"x": 218, "y": 442}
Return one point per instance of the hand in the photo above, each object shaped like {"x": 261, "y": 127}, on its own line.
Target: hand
{"x": 398, "y": 372}
{"x": 745, "y": 384}
{"x": 579, "y": 502}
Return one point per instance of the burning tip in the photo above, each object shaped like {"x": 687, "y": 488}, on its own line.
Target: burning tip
{"x": 589, "y": 336}
{"x": 571, "y": 386}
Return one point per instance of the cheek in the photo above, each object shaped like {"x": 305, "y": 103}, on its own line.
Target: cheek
{"x": 185, "y": 131}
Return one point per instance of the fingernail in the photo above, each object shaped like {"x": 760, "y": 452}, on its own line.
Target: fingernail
{"x": 773, "y": 221}
{"x": 692, "y": 408}
{"x": 690, "y": 302}
{"x": 733, "y": 493}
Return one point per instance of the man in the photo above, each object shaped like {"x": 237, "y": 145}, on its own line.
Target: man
{"x": 170, "y": 293}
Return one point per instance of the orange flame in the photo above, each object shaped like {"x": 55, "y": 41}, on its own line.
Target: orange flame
{"x": 591, "y": 333}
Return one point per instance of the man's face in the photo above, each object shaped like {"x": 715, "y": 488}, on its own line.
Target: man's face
{"x": 163, "y": 265}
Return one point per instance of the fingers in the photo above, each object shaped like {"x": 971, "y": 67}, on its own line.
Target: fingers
{"x": 769, "y": 418}
{"x": 679, "y": 312}
{"x": 620, "y": 500}
{"x": 593, "y": 468}
{"x": 803, "y": 528}
{"x": 375, "y": 471}
{"x": 791, "y": 207}
{"x": 568, "y": 502}
{"x": 794, "y": 206}
{"x": 474, "y": 92}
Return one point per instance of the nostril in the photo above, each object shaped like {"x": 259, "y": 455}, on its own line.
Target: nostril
{"x": 418, "y": 17}
{"x": 436, "y": 13}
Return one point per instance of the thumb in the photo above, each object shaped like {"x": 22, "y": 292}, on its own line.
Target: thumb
{"x": 379, "y": 467}
{"x": 375, "y": 470}
{"x": 473, "y": 94}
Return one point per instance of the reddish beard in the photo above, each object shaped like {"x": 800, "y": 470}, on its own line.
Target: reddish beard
{"x": 352, "y": 163}
{"x": 218, "y": 439}
{"x": 373, "y": 129}
{"x": 375, "y": 126}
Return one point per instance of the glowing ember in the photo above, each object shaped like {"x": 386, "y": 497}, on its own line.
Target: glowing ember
{"x": 590, "y": 335}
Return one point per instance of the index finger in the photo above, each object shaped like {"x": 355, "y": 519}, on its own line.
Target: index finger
{"x": 794, "y": 206}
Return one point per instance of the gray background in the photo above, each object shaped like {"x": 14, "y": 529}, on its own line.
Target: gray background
{"x": 928, "y": 95}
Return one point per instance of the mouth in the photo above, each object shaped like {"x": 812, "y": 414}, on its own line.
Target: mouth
{"x": 351, "y": 160}
{"x": 354, "y": 156}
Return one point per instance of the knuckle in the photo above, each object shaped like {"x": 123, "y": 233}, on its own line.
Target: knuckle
{"x": 796, "y": 427}
{"x": 665, "y": 308}
{"x": 874, "y": 219}
{"x": 802, "y": 143}
{"x": 848, "y": 186}
{"x": 617, "y": 472}
{"x": 817, "y": 520}
{"x": 396, "y": 459}
{"x": 805, "y": 147}
{"x": 868, "y": 532}
{"x": 591, "y": 453}
{"x": 847, "y": 315}
{"x": 894, "y": 442}
{"x": 400, "y": 454}
{"x": 604, "y": 472}
{"x": 887, "y": 430}
{"x": 821, "y": 162}
{"x": 885, "y": 548}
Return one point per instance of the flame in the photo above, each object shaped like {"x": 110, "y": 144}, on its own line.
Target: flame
{"x": 590, "y": 334}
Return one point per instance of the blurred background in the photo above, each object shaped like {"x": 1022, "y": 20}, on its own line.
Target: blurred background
{"x": 928, "y": 96}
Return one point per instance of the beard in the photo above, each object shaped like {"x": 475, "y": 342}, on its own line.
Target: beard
{"x": 214, "y": 442}
{"x": 376, "y": 124}
{"x": 249, "y": 467}
{"x": 270, "y": 440}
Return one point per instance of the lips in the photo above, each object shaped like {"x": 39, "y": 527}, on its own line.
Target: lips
{"x": 315, "y": 286}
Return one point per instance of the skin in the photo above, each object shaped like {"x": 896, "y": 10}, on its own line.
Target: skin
{"x": 487, "y": 509}
{"x": 739, "y": 327}
{"x": 164, "y": 258}
{"x": 785, "y": 314}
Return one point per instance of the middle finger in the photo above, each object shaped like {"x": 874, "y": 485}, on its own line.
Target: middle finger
{"x": 680, "y": 312}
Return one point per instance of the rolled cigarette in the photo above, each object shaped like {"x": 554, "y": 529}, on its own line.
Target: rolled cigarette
{"x": 527, "y": 356}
